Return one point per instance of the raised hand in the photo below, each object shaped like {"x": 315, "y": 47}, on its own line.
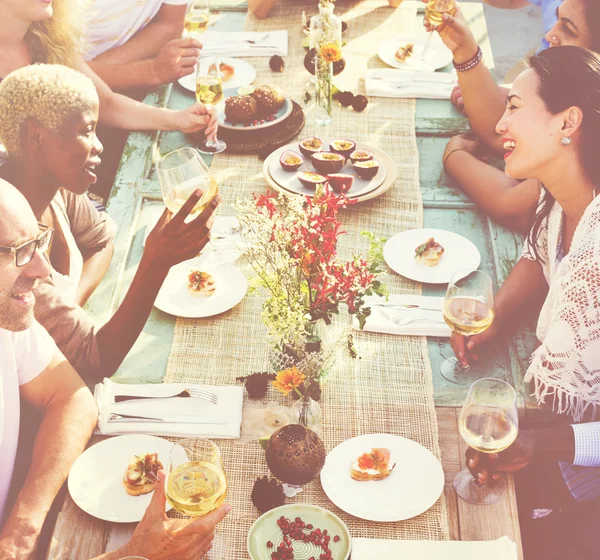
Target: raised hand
{"x": 176, "y": 59}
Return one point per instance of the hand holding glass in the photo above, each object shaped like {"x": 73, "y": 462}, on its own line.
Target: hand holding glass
{"x": 434, "y": 11}
{"x": 209, "y": 92}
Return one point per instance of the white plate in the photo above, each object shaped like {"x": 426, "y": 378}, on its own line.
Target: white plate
{"x": 280, "y": 115}
{"x": 438, "y": 56}
{"x": 289, "y": 181}
{"x": 244, "y": 74}
{"x": 415, "y": 484}
{"x": 174, "y": 297}
{"x": 459, "y": 252}
{"x": 95, "y": 480}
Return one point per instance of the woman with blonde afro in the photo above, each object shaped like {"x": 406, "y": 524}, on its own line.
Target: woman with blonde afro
{"x": 50, "y": 31}
{"x": 48, "y": 127}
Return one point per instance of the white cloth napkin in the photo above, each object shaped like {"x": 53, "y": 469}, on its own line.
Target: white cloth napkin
{"x": 426, "y": 323}
{"x": 234, "y": 43}
{"x": 228, "y": 408}
{"x": 387, "y": 82}
{"x": 367, "y": 549}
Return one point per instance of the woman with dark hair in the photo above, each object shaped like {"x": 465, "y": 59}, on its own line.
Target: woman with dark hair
{"x": 510, "y": 201}
{"x": 551, "y": 130}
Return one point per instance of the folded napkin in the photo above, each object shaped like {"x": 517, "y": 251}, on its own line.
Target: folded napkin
{"x": 387, "y": 82}
{"x": 425, "y": 323}
{"x": 228, "y": 408}
{"x": 234, "y": 43}
{"x": 501, "y": 549}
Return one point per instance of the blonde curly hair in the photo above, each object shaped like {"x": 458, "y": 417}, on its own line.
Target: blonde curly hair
{"x": 48, "y": 93}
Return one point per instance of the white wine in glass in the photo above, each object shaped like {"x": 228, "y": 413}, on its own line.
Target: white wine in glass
{"x": 209, "y": 92}
{"x": 434, "y": 11}
{"x": 489, "y": 423}
{"x": 468, "y": 310}
{"x": 196, "y": 18}
{"x": 196, "y": 483}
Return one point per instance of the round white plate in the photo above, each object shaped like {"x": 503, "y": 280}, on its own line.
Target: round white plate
{"x": 95, "y": 480}
{"x": 438, "y": 55}
{"x": 289, "y": 181}
{"x": 244, "y": 74}
{"x": 280, "y": 115}
{"x": 174, "y": 297}
{"x": 459, "y": 252}
{"x": 413, "y": 487}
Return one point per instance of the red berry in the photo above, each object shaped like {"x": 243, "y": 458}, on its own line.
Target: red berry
{"x": 269, "y": 544}
{"x": 336, "y": 538}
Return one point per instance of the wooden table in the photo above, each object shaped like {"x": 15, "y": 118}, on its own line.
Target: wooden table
{"x": 133, "y": 204}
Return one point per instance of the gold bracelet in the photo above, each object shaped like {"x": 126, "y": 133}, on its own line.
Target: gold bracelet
{"x": 445, "y": 158}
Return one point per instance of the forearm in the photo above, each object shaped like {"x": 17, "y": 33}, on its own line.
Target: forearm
{"x": 94, "y": 269}
{"x": 261, "y": 8}
{"x": 118, "y": 335}
{"x": 507, "y": 4}
{"x": 128, "y": 75}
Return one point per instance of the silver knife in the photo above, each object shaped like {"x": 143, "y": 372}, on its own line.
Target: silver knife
{"x": 113, "y": 418}
{"x": 407, "y": 306}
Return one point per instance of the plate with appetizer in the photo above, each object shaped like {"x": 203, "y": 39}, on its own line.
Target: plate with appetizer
{"x": 358, "y": 170}
{"x": 235, "y": 73}
{"x": 382, "y": 477}
{"x": 254, "y": 108}
{"x": 201, "y": 287}
{"x": 405, "y": 52}
{"x": 430, "y": 255}
{"x": 114, "y": 479}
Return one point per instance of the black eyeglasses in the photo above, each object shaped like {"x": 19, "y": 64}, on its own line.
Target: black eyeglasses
{"x": 24, "y": 252}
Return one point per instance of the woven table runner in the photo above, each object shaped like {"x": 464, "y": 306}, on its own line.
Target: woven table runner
{"x": 388, "y": 389}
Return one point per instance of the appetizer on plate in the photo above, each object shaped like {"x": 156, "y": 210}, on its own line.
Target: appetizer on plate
{"x": 374, "y": 465}
{"x": 429, "y": 253}
{"x": 404, "y": 52}
{"x": 227, "y": 71}
{"x": 240, "y": 109}
{"x": 141, "y": 474}
{"x": 201, "y": 283}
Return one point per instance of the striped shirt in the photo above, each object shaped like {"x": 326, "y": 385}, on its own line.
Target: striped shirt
{"x": 583, "y": 476}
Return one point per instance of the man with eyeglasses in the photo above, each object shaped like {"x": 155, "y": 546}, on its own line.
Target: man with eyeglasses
{"x": 31, "y": 367}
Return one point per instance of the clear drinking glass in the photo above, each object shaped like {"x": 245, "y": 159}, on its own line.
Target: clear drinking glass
{"x": 468, "y": 310}
{"x": 196, "y": 18}
{"x": 489, "y": 423}
{"x": 433, "y": 14}
{"x": 196, "y": 481}
{"x": 209, "y": 92}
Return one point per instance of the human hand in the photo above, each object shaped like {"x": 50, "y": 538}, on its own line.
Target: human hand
{"x": 467, "y": 348}
{"x": 457, "y": 99}
{"x": 173, "y": 240}
{"x": 486, "y": 466}
{"x": 464, "y": 142}
{"x": 161, "y": 538}
{"x": 195, "y": 118}
{"x": 176, "y": 59}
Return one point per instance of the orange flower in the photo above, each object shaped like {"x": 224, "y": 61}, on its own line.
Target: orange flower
{"x": 288, "y": 380}
{"x": 330, "y": 52}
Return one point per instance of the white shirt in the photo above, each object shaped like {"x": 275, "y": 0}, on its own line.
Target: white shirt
{"x": 23, "y": 356}
{"x": 113, "y": 22}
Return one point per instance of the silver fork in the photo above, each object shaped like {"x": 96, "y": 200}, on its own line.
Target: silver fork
{"x": 195, "y": 392}
{"x": 407, "y": 320}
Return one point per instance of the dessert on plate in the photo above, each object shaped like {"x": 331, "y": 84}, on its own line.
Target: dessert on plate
{"x": 373, "y": 465}
{"x": 141, "y": 474}
{"x": 429, "y": 253}
{"x": 240, "y": 109}
{"x": 269, "y": 99}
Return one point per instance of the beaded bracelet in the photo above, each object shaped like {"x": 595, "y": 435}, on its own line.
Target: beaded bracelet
{"x": 470, "y": 63}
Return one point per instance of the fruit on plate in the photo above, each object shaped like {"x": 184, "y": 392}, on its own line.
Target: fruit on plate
{"x": 310, "y": 179}
{"x": 328, "y": 162}
{"x": 310, "y": 145}
{"x": 240, "y": 109}
{"x": 340, "y": 182}
{"x": 360, "y": 155}
{"x": 269, "y": 99}
{"x": 429, "y": 253}
{"x": 290, "y": 160}
{"x": 141, "y": 474}
{"x": 366, "y": 169}
{"x": 374, "y": 465}
{"x": 344, "y": 147}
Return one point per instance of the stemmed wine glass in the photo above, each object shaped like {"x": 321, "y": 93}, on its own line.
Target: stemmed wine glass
{"x": 433, "y": 13}
{"x": 196, "y": 18}
{"x": 196, "y": 482}
{"x": 209, "y": 92}
{"x": 489, "y": 423}
{"x": 468, "y": 310}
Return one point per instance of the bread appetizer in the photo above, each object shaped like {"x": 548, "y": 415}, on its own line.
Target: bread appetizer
{"x": 404, "y": 52}
{"x": 201, "y": 283}
{"x": 141, "y": 474}
{"x": 374, "y": 465}
{"x": 429, "y": 253}
{"x": 227, "y": 71}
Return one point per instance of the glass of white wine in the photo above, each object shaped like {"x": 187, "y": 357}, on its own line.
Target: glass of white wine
{"x": 489, "y": 423}
{"x": 468, "y": 310}
{"x": 434, "y": 11}
{"x": 209, "y": 92}
{"x": 196, "y": 18}
{"x": 180, "y": 173}
{"x": 196, "y": 483}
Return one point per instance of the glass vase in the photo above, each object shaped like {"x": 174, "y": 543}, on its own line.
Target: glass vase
{"x": 307, "y": 412}
{"x": 324, "y": 91}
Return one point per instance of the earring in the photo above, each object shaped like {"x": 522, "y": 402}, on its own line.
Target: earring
{"x": 565, "y": 140}
{"x": 554, "y": 38}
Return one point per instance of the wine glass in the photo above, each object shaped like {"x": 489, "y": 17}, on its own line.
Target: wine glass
{"x": 196, "y": 18}
{"x": 433, "y": 13}
{"x": 209, "y": 92}
{"x": 196, "y": 482}
{"x": 489, "y": 423}
{"x": 468, "y": 310}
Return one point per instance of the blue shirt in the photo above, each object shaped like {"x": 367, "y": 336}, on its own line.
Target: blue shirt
{"x": 548, "y": 16}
